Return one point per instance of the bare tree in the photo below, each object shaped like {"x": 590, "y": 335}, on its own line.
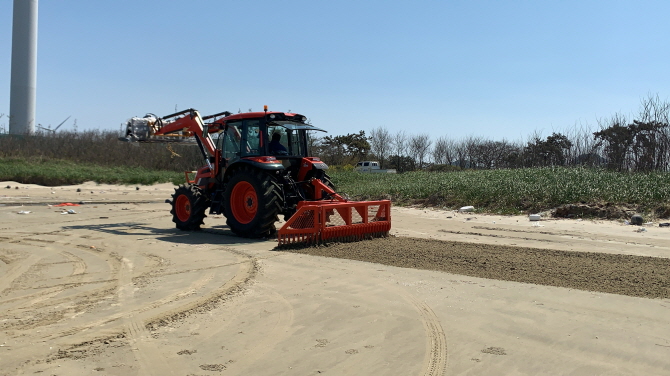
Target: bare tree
{"x": 489, "y": 154}
{"x": 510, "y": 156}
{"x": 585, "y": 150}
{"x": 444, "y": 151}
{"x": 399, "y": 141}
{"x": 653, "y": 109}
{"x": 653, "y": 141}
{"x": 471, "y": 145}
{"x": 380, "y": 144}
{"x": 419, "y": 147}
{"x": 644, "y": 144}
{"x": 616, "y": 140}
{"x": 461, "y": 152}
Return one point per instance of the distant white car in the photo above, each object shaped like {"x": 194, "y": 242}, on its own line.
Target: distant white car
{"x": 372, "y": 167}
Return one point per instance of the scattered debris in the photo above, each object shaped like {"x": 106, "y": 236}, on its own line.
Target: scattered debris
{"x": 641, "y": 229}
{"x": 636, "y": 220}
{"x": 24, "y": 212}
{"x": 187, "y": 352}
{"x": 213, "y": 367}
{"x": 66, "y": 204}
{"x": 494, "y": 351}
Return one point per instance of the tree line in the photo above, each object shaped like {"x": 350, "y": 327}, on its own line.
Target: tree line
{"x": 640, "y": 144}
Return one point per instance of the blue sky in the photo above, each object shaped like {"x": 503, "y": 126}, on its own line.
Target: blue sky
{"x": 497, "y": 69}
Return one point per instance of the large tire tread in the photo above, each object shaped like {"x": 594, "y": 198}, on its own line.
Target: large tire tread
{"x": 270, "y": 203}
{"x": 198, "y": 205}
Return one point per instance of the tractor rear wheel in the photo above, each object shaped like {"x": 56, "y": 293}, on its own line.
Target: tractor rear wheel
{"x": 252, "y": 202}
{"x": 188, "y": 207}
{"x": 325, "y": 178}
{"x": 321, "y": 175}
{"x": 307, "y": 189}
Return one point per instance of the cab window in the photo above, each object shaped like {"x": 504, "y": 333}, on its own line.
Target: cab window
{"x": 290, "y": 138}
{"x": 251, "y": 138}
{"x": 229, "y": 142}
{"x": 295, "y": 144}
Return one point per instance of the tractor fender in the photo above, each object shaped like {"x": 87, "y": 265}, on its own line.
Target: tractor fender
{"x": 308, "y": 164}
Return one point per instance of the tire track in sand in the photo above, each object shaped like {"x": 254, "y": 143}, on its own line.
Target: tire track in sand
{"x": 78, "y": 270}
{"x": 276, "y": 326}
{"x": 46, "y": 307}
{"x": 151, "y": 360}
{"x": 134, "y": 326}
{"x": 17, "y": 271}
{"x": 436, "y": 359}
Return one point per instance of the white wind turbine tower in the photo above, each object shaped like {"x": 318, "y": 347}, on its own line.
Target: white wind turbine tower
{"x": 24, "y": 68}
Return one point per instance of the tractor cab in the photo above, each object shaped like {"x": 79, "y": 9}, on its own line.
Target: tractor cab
{"x": 277, "y": 134}
{"x": 288, "y": 142}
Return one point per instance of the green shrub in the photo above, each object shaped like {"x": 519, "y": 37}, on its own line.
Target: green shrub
{"x": 511, "y": 191}
{"x": 58, "y": 172}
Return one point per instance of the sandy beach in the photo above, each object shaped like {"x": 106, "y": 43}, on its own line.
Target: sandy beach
{"x": 95, "y": 280}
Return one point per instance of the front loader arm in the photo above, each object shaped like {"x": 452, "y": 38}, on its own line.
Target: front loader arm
{"x": 189, "y": 121}
{"x": 176, "y": 127}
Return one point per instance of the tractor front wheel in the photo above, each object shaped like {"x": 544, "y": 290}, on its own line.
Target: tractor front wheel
{"x": 253, "y": 201}
{"x": 188, "y": 207}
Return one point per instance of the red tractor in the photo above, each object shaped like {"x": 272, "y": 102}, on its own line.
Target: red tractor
{"x": 257, "y": 167}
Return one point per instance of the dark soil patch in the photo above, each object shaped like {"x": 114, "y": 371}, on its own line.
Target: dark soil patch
{"x": 616, "y": 274}
{"x": 606, "y": 211}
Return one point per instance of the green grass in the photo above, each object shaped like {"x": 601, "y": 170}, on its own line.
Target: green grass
{"x": 512, "y": 191}
{"x": 59, "y": 172}
{"x": 494, "y": 191}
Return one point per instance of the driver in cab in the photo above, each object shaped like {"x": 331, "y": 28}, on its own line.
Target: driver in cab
{"x": 276, "y": 148}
